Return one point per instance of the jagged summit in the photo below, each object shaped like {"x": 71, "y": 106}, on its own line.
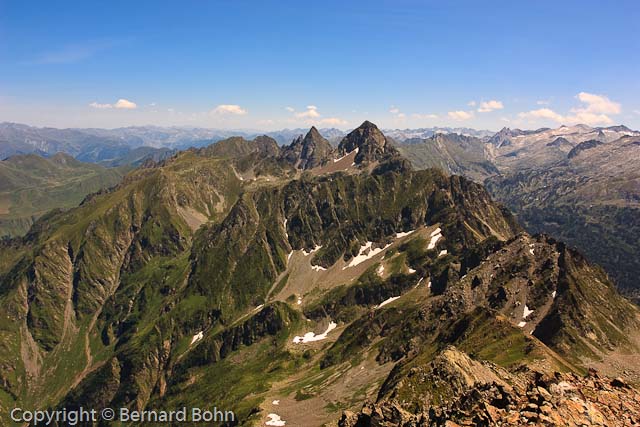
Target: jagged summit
{"x": 309, "y": 151}
{"x": 370, "y": 142}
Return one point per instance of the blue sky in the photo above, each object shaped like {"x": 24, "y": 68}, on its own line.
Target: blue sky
{"x": 270, "y": 65}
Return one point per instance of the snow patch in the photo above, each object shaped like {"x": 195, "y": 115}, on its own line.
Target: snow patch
{"x": 435, "y": 236}
{"x": 419, "y": 281}
{"x": 275, "y": 402}
{"x": 300, "y": 301}
{"x": 429, "y": 284}
{"x": 259, "y": 307}
{"x": 380, "y": 270}
{"x": 526, "y": 312}
{"x": 318, "y": 268}
{"x": 366, "y": 252}
{"x": 340, "y": 158}
{"x": 387, "y": 301}
{"x": 443, "y": 253}
{"x": 316, "y": 249}
{"x": 553, "y": 294}
{"x": 275, "y": 420}
{"x": 411, "y": 270}
{"x": 289, "y": 256}
{"x": 311, "y": 337}
{"x": 197, "y": 337}
{"x": 404, "y": 234}
{"x": 522, "y": 324}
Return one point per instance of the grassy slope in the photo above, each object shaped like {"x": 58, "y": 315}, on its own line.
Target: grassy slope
{"x": 32, "y": 185}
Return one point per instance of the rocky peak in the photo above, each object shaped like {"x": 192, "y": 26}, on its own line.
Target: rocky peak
{"x": 370, "y": 142}
{"x": 266, "y": 145}
{"x": 501, "y": 138}
{"x": 309, "y": 151}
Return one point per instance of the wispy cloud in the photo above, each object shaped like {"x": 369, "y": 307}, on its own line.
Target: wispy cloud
{"x": 120, "y": 104}
{"x": 226, "y": 109}
{"x": 332, "y": 121}
{"x": 398, "y": 115}
{"x": 72, "y": 53}
{"x": 424, "y": 116}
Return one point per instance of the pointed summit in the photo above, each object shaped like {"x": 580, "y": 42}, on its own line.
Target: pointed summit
{"x": 309, "y": 152}
{"x": 370, "y": 142}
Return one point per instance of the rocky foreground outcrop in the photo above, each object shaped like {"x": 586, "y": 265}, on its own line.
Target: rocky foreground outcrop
{"x": 524, "y": 397}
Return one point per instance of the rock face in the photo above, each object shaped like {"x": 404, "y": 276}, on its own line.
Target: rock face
{"x": 308, "y": 152}
{"x": 370, "y": 142}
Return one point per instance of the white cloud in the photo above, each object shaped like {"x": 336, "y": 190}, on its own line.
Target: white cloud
{"x": 542, "y": 113}
{"x": 100, "y": 106}
{"x": 332, "y": 121}
{"x": 394, "y": 110}
{"x": 460, "y": 115}
{"x": 224, "y": 109}
{"x": 121, "y": 104}
{"x": 424, "y": 116}
{"x": 310, "y": 113}
{"x": 488, "y": 106}
{"x": 313, "y": 117}
{"x": 637, "y": 112}
{"x": 471, "y": 103}
{"x": 597, "y": 104}
{"x": 289, "y": 109}
{"x": 125, "y": 104}
{"x": 594, "y": 111}
{"x": 543, "y": 102}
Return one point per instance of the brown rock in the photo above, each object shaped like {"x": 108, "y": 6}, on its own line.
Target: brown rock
{"x": 619, "y": 382}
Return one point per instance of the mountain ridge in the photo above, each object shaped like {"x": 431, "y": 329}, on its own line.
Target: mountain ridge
{"x": 311, "y": 277}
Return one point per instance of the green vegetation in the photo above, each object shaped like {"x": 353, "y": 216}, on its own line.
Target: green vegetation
{"x": 32, "y": 185}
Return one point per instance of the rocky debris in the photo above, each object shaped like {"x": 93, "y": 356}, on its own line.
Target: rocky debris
{"x": 560, "y": 399}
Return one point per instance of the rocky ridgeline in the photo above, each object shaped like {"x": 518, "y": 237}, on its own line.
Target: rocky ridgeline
{"x": 558, "y": 399}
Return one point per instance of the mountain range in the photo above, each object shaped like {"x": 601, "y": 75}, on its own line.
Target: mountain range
{"x": 312, "y": 284}
{"x": 576, "y": 183}
{"x": 539, "y": 174}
